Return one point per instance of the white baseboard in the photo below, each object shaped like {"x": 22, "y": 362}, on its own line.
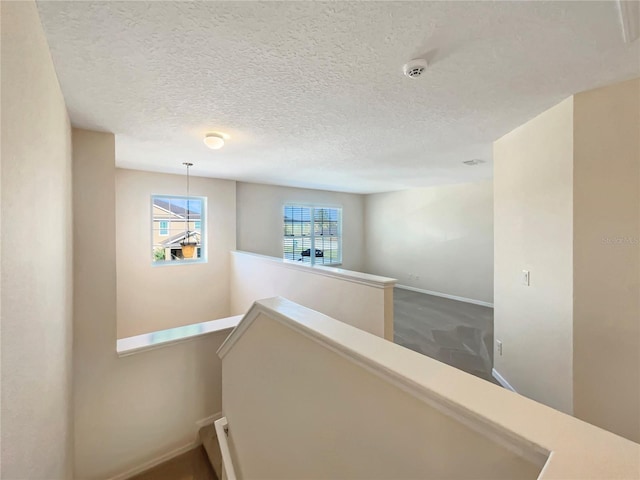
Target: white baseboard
{"x": 203, "y": 422}
{"x": 446, "y": 295}
{"x": 156, "y": 461}
{"x": 501, "y": 380}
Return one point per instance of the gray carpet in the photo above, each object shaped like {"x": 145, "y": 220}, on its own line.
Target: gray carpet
{"x": 456, "y": 333}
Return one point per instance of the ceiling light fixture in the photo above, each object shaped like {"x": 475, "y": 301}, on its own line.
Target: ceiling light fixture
{"x": 214, "y": 141}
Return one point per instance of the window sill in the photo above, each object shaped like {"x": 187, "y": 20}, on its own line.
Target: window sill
{"x": 163, "y": 338}
{"x": 168, "y": 263}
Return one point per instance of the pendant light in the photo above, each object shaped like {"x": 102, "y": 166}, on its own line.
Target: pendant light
{"x": 188, "y": 244}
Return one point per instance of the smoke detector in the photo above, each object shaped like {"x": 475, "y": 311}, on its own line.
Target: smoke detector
{"x": 415, "y": 68}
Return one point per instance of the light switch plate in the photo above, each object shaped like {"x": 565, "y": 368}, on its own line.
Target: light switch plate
{"x": 525, "y": 277}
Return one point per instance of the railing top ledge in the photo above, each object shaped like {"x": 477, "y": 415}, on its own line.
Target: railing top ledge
{"x": 340, "y": 273}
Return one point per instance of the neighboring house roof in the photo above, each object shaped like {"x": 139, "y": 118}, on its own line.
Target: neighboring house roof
{"x": 175, "y": 240}
{"x": 176, "y": 210}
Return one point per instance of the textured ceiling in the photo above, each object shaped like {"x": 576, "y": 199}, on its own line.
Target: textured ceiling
{"x": 312, "y": 94}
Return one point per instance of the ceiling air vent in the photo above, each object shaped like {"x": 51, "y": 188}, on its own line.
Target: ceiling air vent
{"x": 475, "y": 161}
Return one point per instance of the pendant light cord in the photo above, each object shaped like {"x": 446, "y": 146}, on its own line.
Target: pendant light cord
{"x": 186, "y": 230}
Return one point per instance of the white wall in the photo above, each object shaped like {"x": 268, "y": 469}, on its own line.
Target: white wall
{"x": 533, "y": 205}
{"x": 129, "y": 410}
{"x": 153, "y": 297}
{"x": 37, "y": 432}
{"x": 260, "y": 228}
{"x": 438, "y": 239}
{"x": 362, "y": 300}
{"x": 607, "y": 258}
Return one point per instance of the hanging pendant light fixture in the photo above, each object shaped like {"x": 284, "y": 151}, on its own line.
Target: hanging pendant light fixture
{"x": 188, "y": 244}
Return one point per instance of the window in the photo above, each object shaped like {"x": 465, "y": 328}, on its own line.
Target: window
{"x": 177, "y": 233}
{"x": 312, "y": 235}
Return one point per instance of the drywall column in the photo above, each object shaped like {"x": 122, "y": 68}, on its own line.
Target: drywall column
{"x": 37, "y": 426}
{"x": 606, "y": 256}
{"x": 533, "y": 208}
{"x": 94, "y": 290}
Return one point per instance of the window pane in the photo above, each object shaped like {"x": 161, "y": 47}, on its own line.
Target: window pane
{"x": 297, "y": 221}
{"x": 177, "y": 228}
{"x": 297, "y": 249}
{"x": 327, "y": 250}
{"x": 326, "y": 221}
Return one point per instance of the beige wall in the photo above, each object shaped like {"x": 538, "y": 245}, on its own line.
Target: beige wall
{"x": 607, "y": 258}
{"x": 567, "y": 208}
{"x": 37, "y": 426}
{"x": 348, "y": 299}
{"x": 260, "y": 228}
{"x": 533, "y": 205}
{"x": 330, "y": 417}
{"x": 438, "y": 238}
{"x": 129, "y": 410}
{"x": 155, "y": 297}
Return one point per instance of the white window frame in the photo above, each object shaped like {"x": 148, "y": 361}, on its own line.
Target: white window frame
{"x": 202, "y": 247}
{"x": 311, "y": 236}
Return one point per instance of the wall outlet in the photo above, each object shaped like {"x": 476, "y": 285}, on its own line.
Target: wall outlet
{"x": 499, "y": 347}
{"x": 525, "y": 277}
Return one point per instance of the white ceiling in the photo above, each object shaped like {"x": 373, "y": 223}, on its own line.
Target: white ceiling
{"x": 312, "y": 94}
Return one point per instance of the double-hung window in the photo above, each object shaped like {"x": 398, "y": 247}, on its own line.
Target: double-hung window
{"x": 312, "y": 234}
{"x": 177, "y": 229}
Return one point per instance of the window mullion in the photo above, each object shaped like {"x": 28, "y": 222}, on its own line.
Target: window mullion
{"x": 312, "y": 252}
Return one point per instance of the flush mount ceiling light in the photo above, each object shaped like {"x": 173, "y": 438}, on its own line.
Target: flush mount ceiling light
{"x": 214, "y": 141}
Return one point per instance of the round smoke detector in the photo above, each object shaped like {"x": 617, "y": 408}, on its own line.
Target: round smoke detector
{"x": 415, "y": 68}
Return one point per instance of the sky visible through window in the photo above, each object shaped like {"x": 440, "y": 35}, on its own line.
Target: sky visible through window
{"x": 195, "y": 204}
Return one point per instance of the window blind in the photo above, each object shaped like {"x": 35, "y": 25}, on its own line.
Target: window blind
{"x": 312, "y": 234}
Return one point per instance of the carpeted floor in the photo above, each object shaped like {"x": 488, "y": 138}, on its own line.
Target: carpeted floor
{"x": 457, "y": 333}
{"x": 192, "y": 465}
